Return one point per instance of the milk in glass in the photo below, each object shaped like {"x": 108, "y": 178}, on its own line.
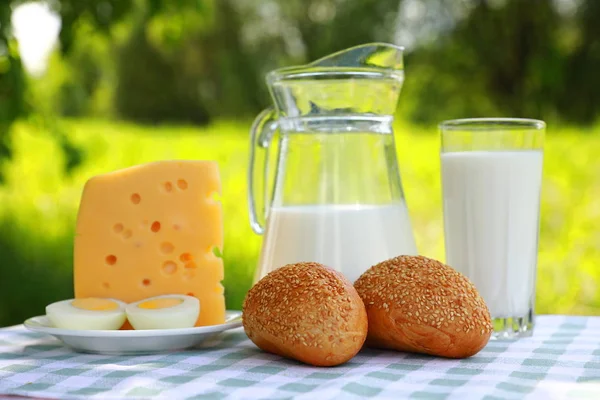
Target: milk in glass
{"x": 491, "y": 221}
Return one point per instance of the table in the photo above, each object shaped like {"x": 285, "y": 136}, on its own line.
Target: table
{"x": 561, "y": 360}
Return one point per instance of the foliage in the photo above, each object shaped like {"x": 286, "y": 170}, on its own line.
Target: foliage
{"x": 40, "y": 202}
{"x": 192, "y": 57}
{"x": 582, "y": 68}
{"x": 102, "y": 15}
{"x": 15, "y": 99}
{"x": 193, "y": 60}
{"x": 156, "y": 92}
{"x": 207, "y": 59}
{"x": 12, "y": 82}
{"x": 492, "y": 51}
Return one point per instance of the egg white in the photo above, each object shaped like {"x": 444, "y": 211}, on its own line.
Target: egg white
{"x": 182, "y": 315}
{"x": 64, "y": 315}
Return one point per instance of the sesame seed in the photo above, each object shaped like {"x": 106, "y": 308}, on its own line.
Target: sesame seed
{"x": 430, "y": 293}
{"x": 305, "y": 303}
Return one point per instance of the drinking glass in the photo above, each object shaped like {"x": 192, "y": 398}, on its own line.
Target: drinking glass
{"x": 491, "y": 170}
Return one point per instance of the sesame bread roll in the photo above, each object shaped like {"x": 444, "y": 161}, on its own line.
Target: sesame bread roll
{"x": 306, "y": 312}
{"x": 420, "y": 305}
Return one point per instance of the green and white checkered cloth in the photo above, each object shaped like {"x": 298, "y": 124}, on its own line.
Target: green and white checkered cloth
{"x": 561, "y": 360}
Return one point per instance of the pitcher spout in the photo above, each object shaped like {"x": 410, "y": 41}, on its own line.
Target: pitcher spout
{"x": 377, "y": 56}
{"x": 364, "y": 79}
{"x": 384, "y": 58}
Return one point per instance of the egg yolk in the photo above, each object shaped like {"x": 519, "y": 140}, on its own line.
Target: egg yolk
{"x": 160, "y": 303}
{"x": 94, "y": 304}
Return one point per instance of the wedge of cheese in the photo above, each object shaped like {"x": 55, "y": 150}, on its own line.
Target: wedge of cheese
{"x": 153, "y": 229}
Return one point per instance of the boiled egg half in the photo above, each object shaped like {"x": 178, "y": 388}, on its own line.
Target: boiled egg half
{"x": 169, "y": 311}
{"x": 87, "y": 314}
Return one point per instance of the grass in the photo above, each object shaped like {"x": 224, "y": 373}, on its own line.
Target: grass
{"x": 39, "y": 204}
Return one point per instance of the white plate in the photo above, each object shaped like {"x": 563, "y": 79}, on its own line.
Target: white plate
{"x": 130, "y": 342}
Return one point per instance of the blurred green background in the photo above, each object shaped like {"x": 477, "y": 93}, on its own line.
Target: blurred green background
{"x": 89, "y": 86}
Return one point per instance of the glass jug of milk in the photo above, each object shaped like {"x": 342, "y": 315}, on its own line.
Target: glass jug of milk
{"x": 337, "y": 197}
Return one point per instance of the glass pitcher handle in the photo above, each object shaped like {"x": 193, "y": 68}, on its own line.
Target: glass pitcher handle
{"x": 262, "y": 131}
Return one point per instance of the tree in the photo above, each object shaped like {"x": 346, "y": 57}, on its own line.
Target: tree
{"x": 13, "y": 79}
{"x": 579, "y": 97}
{"x": 502, "y": 59}
{"x": 12, "y": 82}
{"x": 204, "y": 59}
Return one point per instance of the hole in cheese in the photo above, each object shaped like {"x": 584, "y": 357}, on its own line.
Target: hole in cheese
{"x": 185, "y": 257}
{"x": 94, "y": 304}
{"x": 167, "y": 247}
{"x": 182, "y": 184}
{"x": 127, "y": 234}
{"x": 118, "y": 228}
{"x": 111, "y": 259}
{"x": 169, "y": 267}
{"x": 136, "y": 198}
{"x": 176, "y": 227}
{"x": 189, "y": 273}
{"x": 146, "y": 282}
{"x": 157, "y": 304}
{"x": 106, "y": 285}
{"x": 168, "y": 186}
{"x": 155, "y": 227}
{"x": 190, "y": 264}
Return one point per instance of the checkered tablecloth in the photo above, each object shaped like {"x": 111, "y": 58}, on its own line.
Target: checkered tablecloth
{"x": 561, "y": 360}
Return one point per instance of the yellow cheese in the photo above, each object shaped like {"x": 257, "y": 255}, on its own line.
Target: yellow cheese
{"x": 151, "y": 230}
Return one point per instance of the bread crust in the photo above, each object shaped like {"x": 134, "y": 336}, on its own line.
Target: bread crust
{"x": 306, "y": 312}
{"x": 419, "y": 305}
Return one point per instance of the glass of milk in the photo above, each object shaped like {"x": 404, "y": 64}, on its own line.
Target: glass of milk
{"x": 491, "y": 183}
